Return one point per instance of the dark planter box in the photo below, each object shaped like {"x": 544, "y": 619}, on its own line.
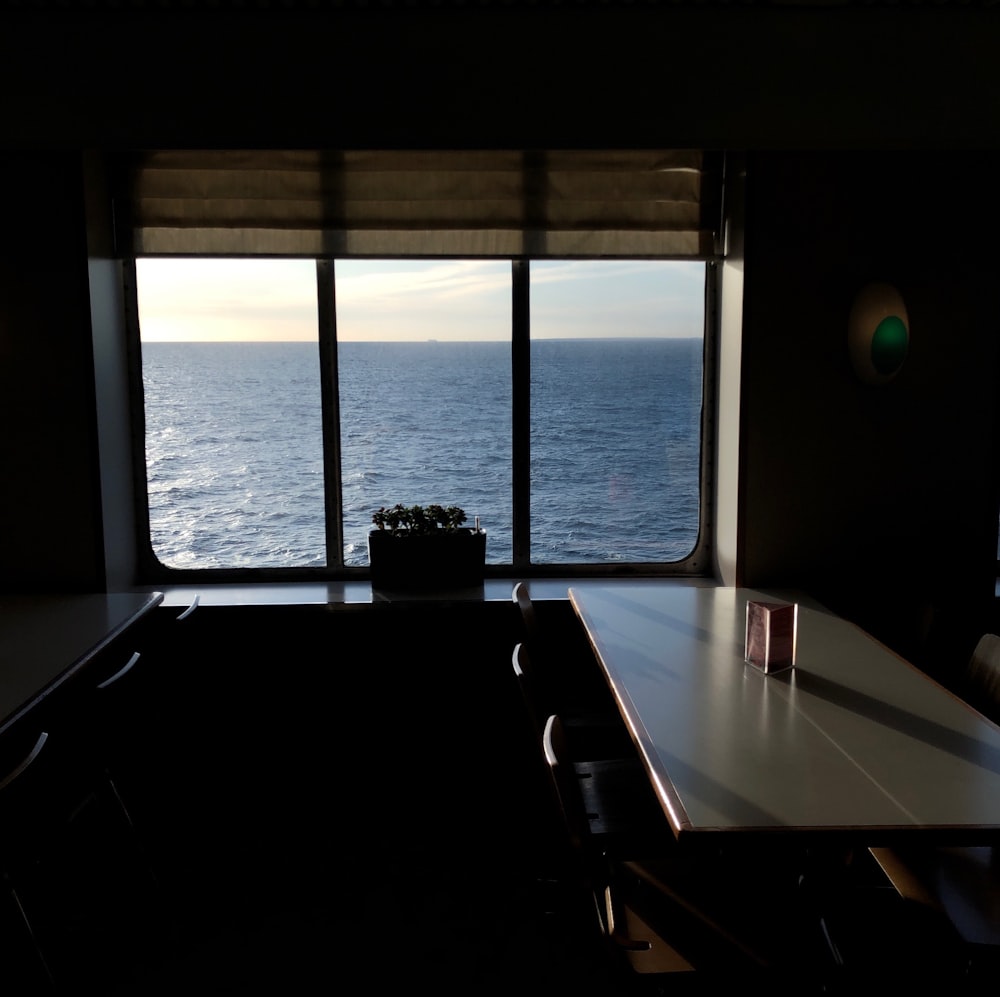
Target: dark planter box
{"x": 445, "y": 560}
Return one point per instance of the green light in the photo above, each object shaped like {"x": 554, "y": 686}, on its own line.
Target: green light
{"x": 889, "y": 344}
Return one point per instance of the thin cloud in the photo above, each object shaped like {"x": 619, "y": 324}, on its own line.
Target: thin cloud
{"x": 206, "y": 300}
{"x": 400, "y": 300}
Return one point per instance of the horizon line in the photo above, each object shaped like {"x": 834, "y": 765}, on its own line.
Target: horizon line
{"x": 435, "y": 342}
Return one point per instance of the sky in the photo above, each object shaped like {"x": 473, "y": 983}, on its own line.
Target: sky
{"x": 275, "y": 300}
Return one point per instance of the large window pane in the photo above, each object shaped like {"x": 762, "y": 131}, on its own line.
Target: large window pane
{"x": 616, "y": 388}
{"x": 234, "y": 450}
{"x": 425, "y": 397}
{"x": 234, "y": 437}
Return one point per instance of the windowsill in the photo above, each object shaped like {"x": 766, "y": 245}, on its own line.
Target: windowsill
{"x": 348, "y": 593}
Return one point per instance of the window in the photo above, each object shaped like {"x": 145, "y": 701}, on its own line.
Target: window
{"x": 616, "y": 390}
{"x": 423, "y": 361}
{"x": 558, "y": 396}
{"x": 233, "y": 431}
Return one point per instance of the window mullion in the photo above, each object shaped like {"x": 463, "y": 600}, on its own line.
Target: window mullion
{"x": 521, "y": 417}
{"x": 330, "y": 393}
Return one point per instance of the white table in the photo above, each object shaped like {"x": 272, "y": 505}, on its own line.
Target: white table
{"x": 46, "y": 639}
{"x": 853, "y": 743}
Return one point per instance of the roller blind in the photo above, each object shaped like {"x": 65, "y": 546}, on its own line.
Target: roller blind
{"x": 421, "y": 203}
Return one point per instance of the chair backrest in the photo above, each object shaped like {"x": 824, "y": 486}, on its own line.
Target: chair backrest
{"x": 630, "y": 930}
{"x": 527, "y": 683}
{"x": 521, "y": 597}
{"x": 565, "y": 786}
{"x": 983, "y": 673}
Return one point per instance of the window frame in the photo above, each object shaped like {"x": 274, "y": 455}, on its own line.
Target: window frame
{"x": 150, "y": 570}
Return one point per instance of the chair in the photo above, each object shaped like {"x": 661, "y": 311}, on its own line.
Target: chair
{"x": 981, "y": 680}
{"x": 573, "y": 689}
{"x": 591, "y": 735}
{"x": 77, "y": 870}
{"x": 958, "y": 886}
{"x": 647, "y": 921}
{"x": 23, "y": 950}
{"x": 113, "y": 710}
{"x": 589, "y": 875}
{"x": 72, "y": 883}
{"x": 619, "y": 800}
{"x": 120, "y": 702}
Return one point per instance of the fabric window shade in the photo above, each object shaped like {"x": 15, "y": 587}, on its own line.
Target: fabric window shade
{"x": 662, "y": 203}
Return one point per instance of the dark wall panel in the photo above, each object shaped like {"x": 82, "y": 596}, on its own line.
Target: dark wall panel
{"x": 880, "y": 498}
{"x": 502, "y": 73}
{"x": 49, "y": 500}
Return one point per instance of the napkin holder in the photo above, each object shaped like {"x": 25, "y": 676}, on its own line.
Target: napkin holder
{"x": 770, "y": 637}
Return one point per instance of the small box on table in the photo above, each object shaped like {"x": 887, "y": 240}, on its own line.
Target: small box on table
{"x": 771, "y": 635}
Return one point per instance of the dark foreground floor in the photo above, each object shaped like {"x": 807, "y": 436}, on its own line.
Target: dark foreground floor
{"x": 432, "y": 920}
{"x": 462, "y": 910}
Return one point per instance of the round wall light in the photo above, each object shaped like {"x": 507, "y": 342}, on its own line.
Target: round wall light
{"x": 878, "y": 334}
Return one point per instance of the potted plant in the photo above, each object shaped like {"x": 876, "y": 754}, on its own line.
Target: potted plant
{"x": 425, "y": 547}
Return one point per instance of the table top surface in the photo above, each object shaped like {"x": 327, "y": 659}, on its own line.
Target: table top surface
{"x": 852, "y": 740}
{"x": 46, "y": 639}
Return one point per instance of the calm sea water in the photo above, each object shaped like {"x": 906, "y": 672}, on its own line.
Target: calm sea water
{"x": 235, "y": 458}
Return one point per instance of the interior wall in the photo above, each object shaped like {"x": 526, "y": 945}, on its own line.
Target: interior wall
{"x": 727, "y": 473}
{"x": 50, "y": 499}
{"x": 112, "y": 380}
{"x": 499, "y": 73}
{"x": 852, "y": 491}
{"x": 880, "y": 499}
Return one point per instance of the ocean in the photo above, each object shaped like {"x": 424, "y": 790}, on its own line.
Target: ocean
{"x": 234, "y": 447}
